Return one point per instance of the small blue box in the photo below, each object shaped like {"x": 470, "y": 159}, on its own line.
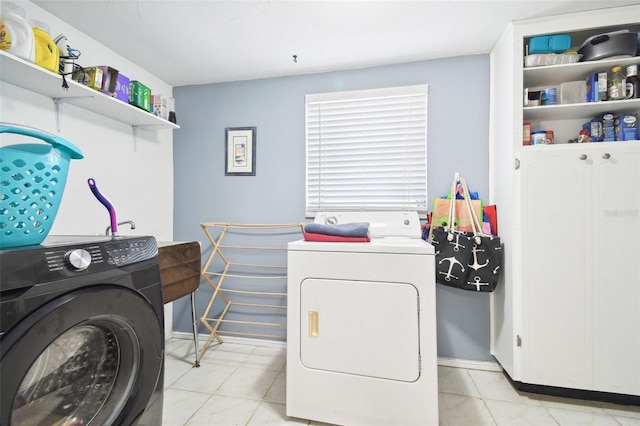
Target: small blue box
{"x": 592, "y": 88}
{"x": 626, "y": 127}
{"x": 557, "y": 43}
{"x": 608, "y": 128}
{"x": 594, "y": 127}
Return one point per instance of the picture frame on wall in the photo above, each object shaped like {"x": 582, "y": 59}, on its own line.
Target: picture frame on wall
{"x": 240, "y": 151}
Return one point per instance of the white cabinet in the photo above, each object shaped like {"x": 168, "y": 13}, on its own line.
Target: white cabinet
{"x": 567, "y": 312}
{"x": 616, "y": 270}
{"x": 555, "y": 338}
{"x": 581, "y": 284}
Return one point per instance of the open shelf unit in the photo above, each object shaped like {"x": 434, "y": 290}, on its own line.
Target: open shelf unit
{"x": 553, "y": 75}
{"x": 16, "y": 71}
{"x": 566, "y": 120}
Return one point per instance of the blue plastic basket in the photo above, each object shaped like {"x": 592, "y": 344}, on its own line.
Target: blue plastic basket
{"x": 32, "y": 181}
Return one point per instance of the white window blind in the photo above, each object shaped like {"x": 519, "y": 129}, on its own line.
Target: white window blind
{"x": 367, "y": 150}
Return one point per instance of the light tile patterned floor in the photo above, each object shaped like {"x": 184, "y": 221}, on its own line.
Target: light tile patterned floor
{"x": 241, "y": 383}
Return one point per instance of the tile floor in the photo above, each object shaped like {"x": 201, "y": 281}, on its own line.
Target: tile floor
{"x": 241, "y": 383}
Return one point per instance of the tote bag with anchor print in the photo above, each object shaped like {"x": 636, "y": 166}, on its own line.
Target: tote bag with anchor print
{"x": 466, "y": 260}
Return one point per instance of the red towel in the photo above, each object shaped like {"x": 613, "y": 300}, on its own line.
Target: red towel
{"x": 310, "y": 236}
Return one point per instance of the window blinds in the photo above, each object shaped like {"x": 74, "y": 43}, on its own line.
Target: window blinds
{"x": 367, "y": 150}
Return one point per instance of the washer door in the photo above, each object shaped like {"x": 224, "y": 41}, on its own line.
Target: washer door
{"x": 93, "y": 356}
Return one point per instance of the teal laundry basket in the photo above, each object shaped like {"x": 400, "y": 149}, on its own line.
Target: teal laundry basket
{"x": 32, "y": 181}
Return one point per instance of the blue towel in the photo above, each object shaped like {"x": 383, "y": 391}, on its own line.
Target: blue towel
{"x": 354, "y": 229}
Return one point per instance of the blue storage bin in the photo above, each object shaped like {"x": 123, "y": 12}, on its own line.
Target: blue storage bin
{"x": 557, "y": 43}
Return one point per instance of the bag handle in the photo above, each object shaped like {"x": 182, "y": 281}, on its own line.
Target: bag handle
{"x": 475, "y": 223}
{"x": 452, "y": 203}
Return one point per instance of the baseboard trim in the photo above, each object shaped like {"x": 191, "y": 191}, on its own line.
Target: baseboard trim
{"x": 442, "y": 361}
{"x": 231, "y": 339}
{"x": 469, "y": 364}
{"x": 587, "y": 395}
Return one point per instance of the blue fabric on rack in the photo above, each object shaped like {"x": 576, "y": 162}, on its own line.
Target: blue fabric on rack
{"x": 354, "y": 229}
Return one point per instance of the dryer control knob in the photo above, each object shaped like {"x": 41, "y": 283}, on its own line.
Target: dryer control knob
{"x": 78, "y": 259}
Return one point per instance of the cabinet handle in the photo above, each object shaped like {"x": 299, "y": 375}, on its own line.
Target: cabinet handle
{"x": 606, "y": 155}
{"x": 583, "y": 156}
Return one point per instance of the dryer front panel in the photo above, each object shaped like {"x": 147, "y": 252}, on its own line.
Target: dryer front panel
{"x": 361, "y": 328}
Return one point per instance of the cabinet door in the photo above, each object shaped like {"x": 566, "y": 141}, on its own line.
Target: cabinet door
{"x": 616, "y": 269}
{"x": 556, "y": 297}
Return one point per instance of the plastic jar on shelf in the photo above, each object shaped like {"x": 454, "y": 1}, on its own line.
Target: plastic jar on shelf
{"x": 47, "y": 54}
{"x": 617, "y": 84}
{"x": 633, "y": 82}
{"x": 16, "y": 36}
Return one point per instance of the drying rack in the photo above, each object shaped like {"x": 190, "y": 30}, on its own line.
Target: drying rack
{"x": 234, "y": 282}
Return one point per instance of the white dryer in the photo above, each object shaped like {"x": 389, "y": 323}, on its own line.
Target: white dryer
{"x": 361, "y": 325}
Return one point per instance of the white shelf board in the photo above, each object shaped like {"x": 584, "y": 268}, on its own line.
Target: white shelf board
{"x": 576, "y": 146}
{"x": 586, "y": 109}
{"x": 14, "y": 70}
{"x": 555, "y": 74}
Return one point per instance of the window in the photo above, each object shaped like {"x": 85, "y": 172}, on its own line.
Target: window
{"x": 367, "y": 150}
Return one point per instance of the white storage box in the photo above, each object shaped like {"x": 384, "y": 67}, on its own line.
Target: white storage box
{"x": 542, "y": 59}
{"x": 159, "y": 105}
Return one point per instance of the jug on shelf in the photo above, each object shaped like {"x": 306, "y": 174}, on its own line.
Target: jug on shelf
{"x": 16, "y": 35}
{"x": 46, "y": 51}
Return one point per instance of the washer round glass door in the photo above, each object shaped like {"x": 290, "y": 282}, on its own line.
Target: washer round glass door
{"x": 77, "y": 365}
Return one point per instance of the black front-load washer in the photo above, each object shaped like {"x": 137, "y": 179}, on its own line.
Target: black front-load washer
{"x": 81, "y": 332}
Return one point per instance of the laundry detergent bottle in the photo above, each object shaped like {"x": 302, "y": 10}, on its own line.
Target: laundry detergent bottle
{"x": 16, "y": 35}
{"x": 47, "y": 53}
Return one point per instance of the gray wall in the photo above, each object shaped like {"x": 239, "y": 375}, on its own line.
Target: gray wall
{"x": 458, "y": 128}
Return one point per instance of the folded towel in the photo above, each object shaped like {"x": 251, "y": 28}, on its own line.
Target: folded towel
{"x": 354, "y": 229}
{"x": 310, "y": 236}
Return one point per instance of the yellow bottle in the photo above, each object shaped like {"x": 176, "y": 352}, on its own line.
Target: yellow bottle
{"x": 47, "y": 54}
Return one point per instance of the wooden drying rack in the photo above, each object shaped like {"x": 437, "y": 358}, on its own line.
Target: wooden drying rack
{"x": 262, "y": 272}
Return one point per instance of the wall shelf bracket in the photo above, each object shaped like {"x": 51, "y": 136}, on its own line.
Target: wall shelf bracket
{"x": 57, "y": 105}
{"x": 146, "y": 126}
{"x": 135, "y": 128}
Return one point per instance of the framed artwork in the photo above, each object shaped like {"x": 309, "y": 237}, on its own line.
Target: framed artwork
{"x": 240, "y": 151}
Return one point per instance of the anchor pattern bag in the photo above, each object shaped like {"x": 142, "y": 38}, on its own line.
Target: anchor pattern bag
{"x": 466, "y": 260}
{"x": 453, "y": 255}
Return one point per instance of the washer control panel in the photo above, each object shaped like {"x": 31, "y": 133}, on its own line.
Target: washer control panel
{"x": 130, "y": 251}
{"x": 95, "y": 257}
{"x": 72, "y": 258}
{"x": 62, "y": 257}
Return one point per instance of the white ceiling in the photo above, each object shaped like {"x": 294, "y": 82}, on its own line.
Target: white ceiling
{"x": 187, "y": 42}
